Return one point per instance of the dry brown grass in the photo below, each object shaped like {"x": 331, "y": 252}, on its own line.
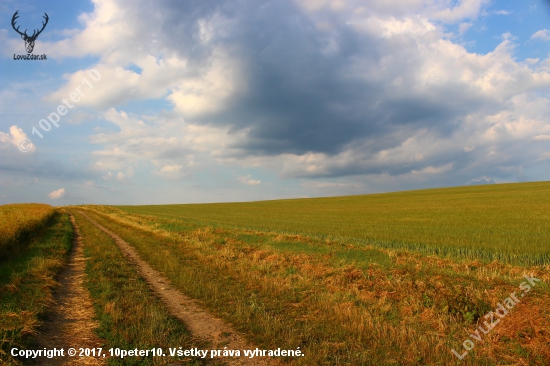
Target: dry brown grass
{"x": 19, "y": 221}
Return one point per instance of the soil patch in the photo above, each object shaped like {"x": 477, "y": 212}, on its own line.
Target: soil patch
{"x": 71, "y": 318}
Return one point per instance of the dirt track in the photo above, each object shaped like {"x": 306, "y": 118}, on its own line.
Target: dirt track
{"x": 201, "y": 323}
{"x": 71, "y": 321}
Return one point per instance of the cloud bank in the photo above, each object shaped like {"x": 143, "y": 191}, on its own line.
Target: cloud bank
{"x": 310, "y": 89}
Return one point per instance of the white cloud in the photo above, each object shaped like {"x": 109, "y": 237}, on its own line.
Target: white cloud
{"x": 109, "y": 27}
{"x": 90, "y": 184}
{"x": 532, "y": 61}
{"x": 442, "y": 10}
{"x": 170, "y": 171}
{"x": 125, "y": 34}
{"x": 173, "y": 147}
{"x": 465, "y": 9}
{"x": 434, "y": 170}
{"x": 118, "y": 85}
{"x": 60, "y": 193}
{"x": 247, "y": 180}
{"x": 463, "y": 27}
{"x": 121, "y": 176}
{"x": 543, "y": 34}
{"x": 15, "y": 141}
{"x": 206, "y": 94}
{"x": 108, "y": 176}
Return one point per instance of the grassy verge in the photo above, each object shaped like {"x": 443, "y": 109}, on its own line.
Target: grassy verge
{"x": 130, "y": 316}
{"x": 343, "y": 304}
{"x": 27, "y": 279}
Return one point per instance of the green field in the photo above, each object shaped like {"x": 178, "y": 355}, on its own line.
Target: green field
{"x": 506, "y": 222}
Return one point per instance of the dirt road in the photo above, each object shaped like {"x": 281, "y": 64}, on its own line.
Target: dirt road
{"x": 199, "y": 321}
{"x": 71, "y": 321}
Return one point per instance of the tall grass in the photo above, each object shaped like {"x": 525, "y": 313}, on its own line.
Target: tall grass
{"x": 27, "y": 277}
{"x": 505, "y": 222}
{"x": 18, "y": 222}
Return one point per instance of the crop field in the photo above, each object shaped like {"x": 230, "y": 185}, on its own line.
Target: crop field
{"x": 411, "y": 278}
{"x": 507, "y": 222}
{"x": 17, "y": 222}
{"x": 332, "y": 275}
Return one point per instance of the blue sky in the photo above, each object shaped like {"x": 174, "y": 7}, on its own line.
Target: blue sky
{"x": 209, "y": 101}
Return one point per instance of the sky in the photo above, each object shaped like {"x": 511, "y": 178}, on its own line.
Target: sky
{"x": 158, "y": 102}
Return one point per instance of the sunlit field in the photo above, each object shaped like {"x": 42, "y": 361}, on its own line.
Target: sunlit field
{"x": 507, "y": 222}
{"x": 18, "y": 222}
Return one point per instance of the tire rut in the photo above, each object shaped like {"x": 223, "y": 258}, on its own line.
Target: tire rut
{"x": 200, "y": 322}
{"x": 71, "y": 317}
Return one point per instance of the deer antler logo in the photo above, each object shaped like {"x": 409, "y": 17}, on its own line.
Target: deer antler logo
{"x": 29, "y": 40}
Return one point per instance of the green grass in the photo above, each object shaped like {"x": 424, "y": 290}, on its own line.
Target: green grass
{"x": 129, "y": 314}
{"x": 27, "y": 282}
{"x": 505, "y": 222}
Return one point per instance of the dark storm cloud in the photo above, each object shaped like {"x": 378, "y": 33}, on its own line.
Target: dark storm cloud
{"x": 299, "y": 97}
{"x": 348, "y": 97}
{"x": 304, "y": 96}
